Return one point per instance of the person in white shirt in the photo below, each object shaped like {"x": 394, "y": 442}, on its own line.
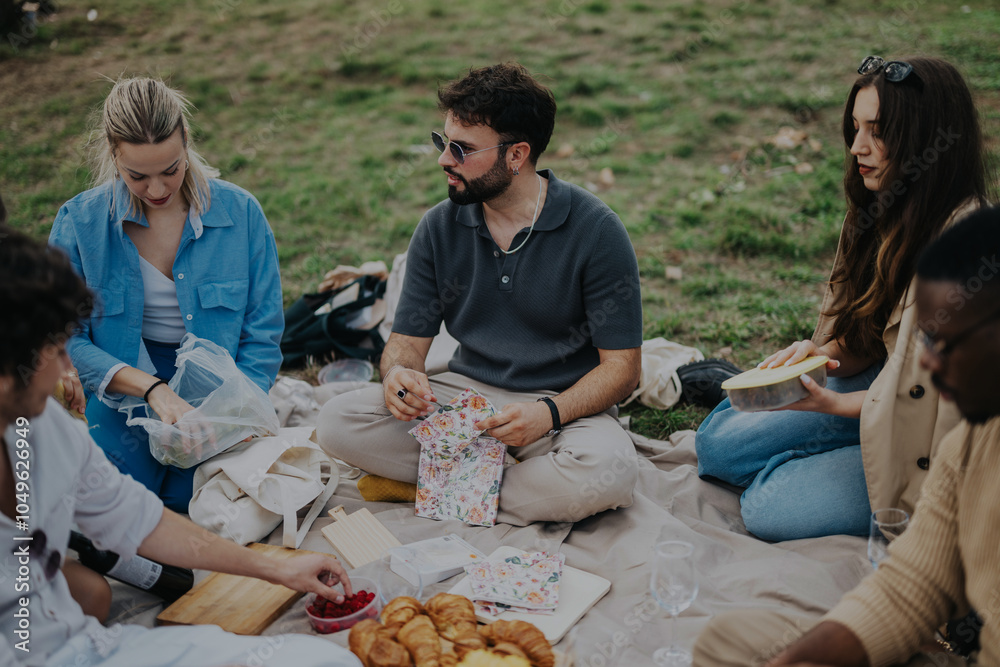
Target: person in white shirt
{"x": 53, "y": 475}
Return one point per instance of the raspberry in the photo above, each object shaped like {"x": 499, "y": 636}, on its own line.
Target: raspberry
{"x": 328, "y": 609}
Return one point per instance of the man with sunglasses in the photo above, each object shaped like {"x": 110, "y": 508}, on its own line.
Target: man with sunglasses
{"x": 538, "y": 281}
{"x": 947, "y": 560}
{"x": 53, "y": 476}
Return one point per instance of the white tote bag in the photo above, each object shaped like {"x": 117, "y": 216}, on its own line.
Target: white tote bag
{"x": 246, "y": 492}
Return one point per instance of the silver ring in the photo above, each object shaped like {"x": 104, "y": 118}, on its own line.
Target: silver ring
{"x": 401, "y": 393}
{"x": 71, "y": 374}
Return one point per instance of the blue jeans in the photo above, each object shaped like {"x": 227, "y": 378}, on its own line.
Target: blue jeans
{"x": 128, "y": 447}
{"x": 802, "y": 470}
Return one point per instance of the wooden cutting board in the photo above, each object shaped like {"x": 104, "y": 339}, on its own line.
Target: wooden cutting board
{"x": 243, "y": 605}
{"x": 359, "y": 538}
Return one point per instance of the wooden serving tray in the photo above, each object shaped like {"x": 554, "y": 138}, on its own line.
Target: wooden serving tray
{"x": 243, "y": 605}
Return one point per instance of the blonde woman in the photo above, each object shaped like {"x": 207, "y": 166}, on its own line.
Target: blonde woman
{"x": 167, "y": 248}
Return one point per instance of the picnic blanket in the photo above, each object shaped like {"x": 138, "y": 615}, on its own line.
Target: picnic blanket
{"x": 735, "y": 569}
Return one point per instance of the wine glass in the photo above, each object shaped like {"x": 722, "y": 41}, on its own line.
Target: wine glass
{"x": 674, "y": 587}
{"x": 886, "y": 525}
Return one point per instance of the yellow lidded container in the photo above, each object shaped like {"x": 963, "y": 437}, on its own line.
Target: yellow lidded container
{"x": 771, "y": 388}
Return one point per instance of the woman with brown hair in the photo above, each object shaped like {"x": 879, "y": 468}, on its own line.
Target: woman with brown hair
{"x": 915, "y": 163}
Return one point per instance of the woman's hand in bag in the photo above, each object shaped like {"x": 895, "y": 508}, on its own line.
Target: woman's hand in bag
{"x": 315, "y": 573}
{"x": 167, "y": 405}
{"x": 171, "y": 409}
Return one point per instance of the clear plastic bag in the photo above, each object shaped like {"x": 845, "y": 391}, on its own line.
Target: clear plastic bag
{"x": 228, "y": 407}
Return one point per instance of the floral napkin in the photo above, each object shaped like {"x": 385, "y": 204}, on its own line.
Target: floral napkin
{"x": 460, "y": 470}
{"x": 527, "y": 582}
{"x": 453, "y": 426}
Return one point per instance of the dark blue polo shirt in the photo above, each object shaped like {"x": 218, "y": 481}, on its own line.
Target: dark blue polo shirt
{"x": 534, "y": 319}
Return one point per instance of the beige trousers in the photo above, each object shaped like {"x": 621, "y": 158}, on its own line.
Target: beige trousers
{"x": 752, "y": 637}
{"x": 588, "y": 468}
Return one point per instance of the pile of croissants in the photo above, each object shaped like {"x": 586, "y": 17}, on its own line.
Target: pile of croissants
{"x": 444, "y": 633}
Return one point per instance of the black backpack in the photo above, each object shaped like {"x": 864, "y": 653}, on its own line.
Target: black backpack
{"x": 331, "y": 332}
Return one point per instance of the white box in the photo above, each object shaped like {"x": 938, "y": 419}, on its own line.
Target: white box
{"x": 435, "y": 559}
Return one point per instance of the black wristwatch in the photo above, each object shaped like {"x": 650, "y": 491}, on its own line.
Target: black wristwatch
{"x": 556, "y": 423}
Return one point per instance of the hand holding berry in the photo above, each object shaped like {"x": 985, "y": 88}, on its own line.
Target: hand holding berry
{"x": 314, "y": 573}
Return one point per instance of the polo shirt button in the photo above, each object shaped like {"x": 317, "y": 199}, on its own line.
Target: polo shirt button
{"x": 916, "y": 391}
{"x": 190, "y": 317}
{"x": 496, "y": 253}
{"x": 505, "y": 280}
{"x": 923, "y": 463}
{"x": 180, "y": 276}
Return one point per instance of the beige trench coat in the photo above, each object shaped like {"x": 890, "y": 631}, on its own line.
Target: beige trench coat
{"x": 903, "y": 418}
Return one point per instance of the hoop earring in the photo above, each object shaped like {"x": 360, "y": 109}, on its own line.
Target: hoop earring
{"x": 517, "y": 171}
{"x": 187, "y": 165}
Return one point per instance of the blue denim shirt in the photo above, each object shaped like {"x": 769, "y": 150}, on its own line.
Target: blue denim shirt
{"x": 226, "y": 273}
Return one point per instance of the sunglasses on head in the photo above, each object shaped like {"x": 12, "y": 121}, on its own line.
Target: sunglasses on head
{"x": 895, "y": 70}
{"x": 457, "y": 151}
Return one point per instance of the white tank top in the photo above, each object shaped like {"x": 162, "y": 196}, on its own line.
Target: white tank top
{"x": 161, "y": 317}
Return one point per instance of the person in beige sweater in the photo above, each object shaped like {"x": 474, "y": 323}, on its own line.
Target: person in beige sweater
{"x": 948, "y": 561}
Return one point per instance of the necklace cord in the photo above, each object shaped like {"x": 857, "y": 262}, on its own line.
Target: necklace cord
{"x": 534, "y": 217}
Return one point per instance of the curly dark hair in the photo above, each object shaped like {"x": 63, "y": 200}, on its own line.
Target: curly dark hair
{"x": 937, "y": 161}
{"x": 42, "y": 299}
{"x": 966, "y": 252}
{"x": 506, "y": 98}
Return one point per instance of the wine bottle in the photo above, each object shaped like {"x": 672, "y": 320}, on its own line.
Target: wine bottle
{"x": 165, "y": 581}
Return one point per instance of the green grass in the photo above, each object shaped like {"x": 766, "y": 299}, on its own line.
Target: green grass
{"x": 322, "y": 108}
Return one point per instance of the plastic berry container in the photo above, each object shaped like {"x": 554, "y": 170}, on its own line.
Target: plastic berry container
{"x": 324, "y": 624}
{"x": 771, "y": 388}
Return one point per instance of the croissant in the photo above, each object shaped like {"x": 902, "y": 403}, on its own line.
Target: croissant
{"x": 448, "y": 656}
{"x": 483, "y": 658}
{"x": 369, "y": 642}
{"x": 508, "y": 648}
{"x": 400, "y": 610}
{"x": 455, "y": 619}
{"x": 421, "y": 640}
{"x": 526, "y": 636}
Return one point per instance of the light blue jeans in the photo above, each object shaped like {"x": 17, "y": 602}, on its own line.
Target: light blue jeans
{"x": 802, "y": 471}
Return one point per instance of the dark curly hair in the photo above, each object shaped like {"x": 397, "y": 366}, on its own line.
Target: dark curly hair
{"x": 506, "y": 98}
{"x": 41, "y": 297}
{"x": 966, "y": 252}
